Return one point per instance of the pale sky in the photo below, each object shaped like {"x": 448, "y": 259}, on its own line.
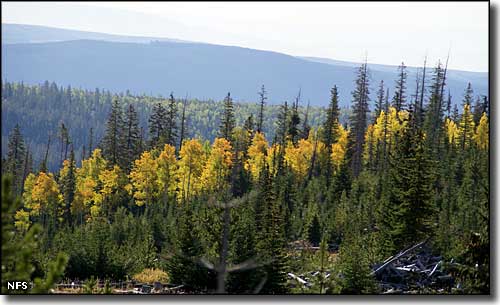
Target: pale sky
{"x": 388, "y": 32}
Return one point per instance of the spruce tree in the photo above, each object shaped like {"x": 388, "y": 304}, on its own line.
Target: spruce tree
{"x": 263, "y": 97}
{"x": 379, "y": 105}
{"x": 171, "y": 122}
{"x": 409, "y": 214}
{"x": 293, "y": 126}
{"x": 228, "y": 121}
{"x": 157, "y": 126}
{"x": 68, "y": 186}
{"x": 330, "y": 126}
{"x": 16, "y": 155}
{"x": 131, "y": 140}
{"x": 399, "y": 99}
{"x": 112, "y": 142}
{"x": 358, "y": 119}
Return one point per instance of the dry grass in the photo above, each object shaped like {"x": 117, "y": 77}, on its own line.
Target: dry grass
{"x": 151, "y": 275}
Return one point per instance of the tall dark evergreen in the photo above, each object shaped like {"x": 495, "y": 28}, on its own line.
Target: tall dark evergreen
{"x": 112, "y": 142}
{"x": 16, "y": 155}
{"x": 183, "y": 123}
{"x": 228, "y": 121}
{"x": 283, "y": 123}
{"x": 408, "y": 210}
{"x": 434, "y": 110}
{"x": 131, "y": 141}
{"x": 68, "y": 187}
{"x": 171, "y": 122}
{"x": 379, "y": 105}
{"x": 293, "y": 125}
{"x": 330, "y": 126}
{"x": 305, "y": 124}
{"x": 358, "y": 119}
{"x": 157, "y": 126}
{"x": 262, "y": 103}
{"x": 399, "y": 99}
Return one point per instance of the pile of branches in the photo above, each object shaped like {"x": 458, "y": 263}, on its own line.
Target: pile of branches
{"x": 413, "y": 270}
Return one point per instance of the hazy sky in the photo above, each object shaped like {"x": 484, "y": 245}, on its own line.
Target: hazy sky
{"x": 389, "y": 32}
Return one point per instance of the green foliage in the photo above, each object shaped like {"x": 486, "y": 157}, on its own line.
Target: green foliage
{"x": 18, "y": 250}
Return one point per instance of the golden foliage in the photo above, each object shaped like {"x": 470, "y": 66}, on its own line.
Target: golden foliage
{"x": 218, "y": 166}
{"x": 339, "y": 148}
{"x": 144, "y": 177}
{"x": 192, "y": 159}
{"x": 481, "y": 137}
{"x": 167, "y": 170}
{"x": 151, "y": 275}
{"x": 256, "y": 155}
{"x": 452, "y": 131}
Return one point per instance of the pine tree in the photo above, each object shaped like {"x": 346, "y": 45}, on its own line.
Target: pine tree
{"x": 282, "y": 128}
{"x": 68, "y": 185}
{"x": 16, "y": 155}
{"x": 293, "y": 125}
{"x": 263, "y": 97}
{"x": 228, "y": 121}
{"x": 331, "y": 124}
{"x": 399, "y": 99}
{"x": 183, "y": 124}
{"x": 157, "y": 126}
{"x": 131, "y": 140}
{"x": 434, "y": 111}
{"x": 379, "y": 105}
{"x": 185, "y": 267}
{"x": 359, "y": 119}
{"x": 171, "y": 123}
{"x": 409, "y": 213}
{"x": 113, "y": 138}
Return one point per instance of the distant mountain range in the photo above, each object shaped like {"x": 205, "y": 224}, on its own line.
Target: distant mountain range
{"x": 157, "y": 66}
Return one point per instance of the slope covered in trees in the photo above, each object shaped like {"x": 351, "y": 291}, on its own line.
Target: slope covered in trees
{"x": 241, "y": 212}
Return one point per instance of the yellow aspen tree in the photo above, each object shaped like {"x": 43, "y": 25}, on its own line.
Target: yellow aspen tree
{"x": 45, "y": 199}
{"x": 256, "y": 155}
{"x": 299, "y": 158}
{"x": 192, "y": 159}
{"x": 144, "y": 179}
{"x": 482, "y": 133}
{"x": 369, "y": 147}
{"x": 339, "y": 148}
{"x": 167, "y": 172}
{"x": 451, "y": 131}
{"x": 218, "y": 166}
{"x": 113, "y": 182}
{"x": 87, "y": 185}
{"x": 22, "y": 220}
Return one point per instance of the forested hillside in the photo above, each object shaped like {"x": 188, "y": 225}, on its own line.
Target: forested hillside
{"x": 42, "y": 110}
{"x": 273, "y": 193}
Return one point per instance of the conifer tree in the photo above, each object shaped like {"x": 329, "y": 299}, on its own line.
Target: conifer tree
{"x": 171, "y": 123}
{"x": 228, "y": 121}
{"x": 399, "y": 99}
{"x": 379, "y": 105}
{"x": 131, "y": 141}
{"x": 16, "y": 155}
{"x": 68, "y": 185}
{"x": 263, "y": 97}
{"x": 293, "y": 125}
{"x": 331, "y": 124}
{"x": 358, "y": 119}
{"x": 158, "y": 126}
{"x": 112, "y": 142}
{"x": 409, "y": 208}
